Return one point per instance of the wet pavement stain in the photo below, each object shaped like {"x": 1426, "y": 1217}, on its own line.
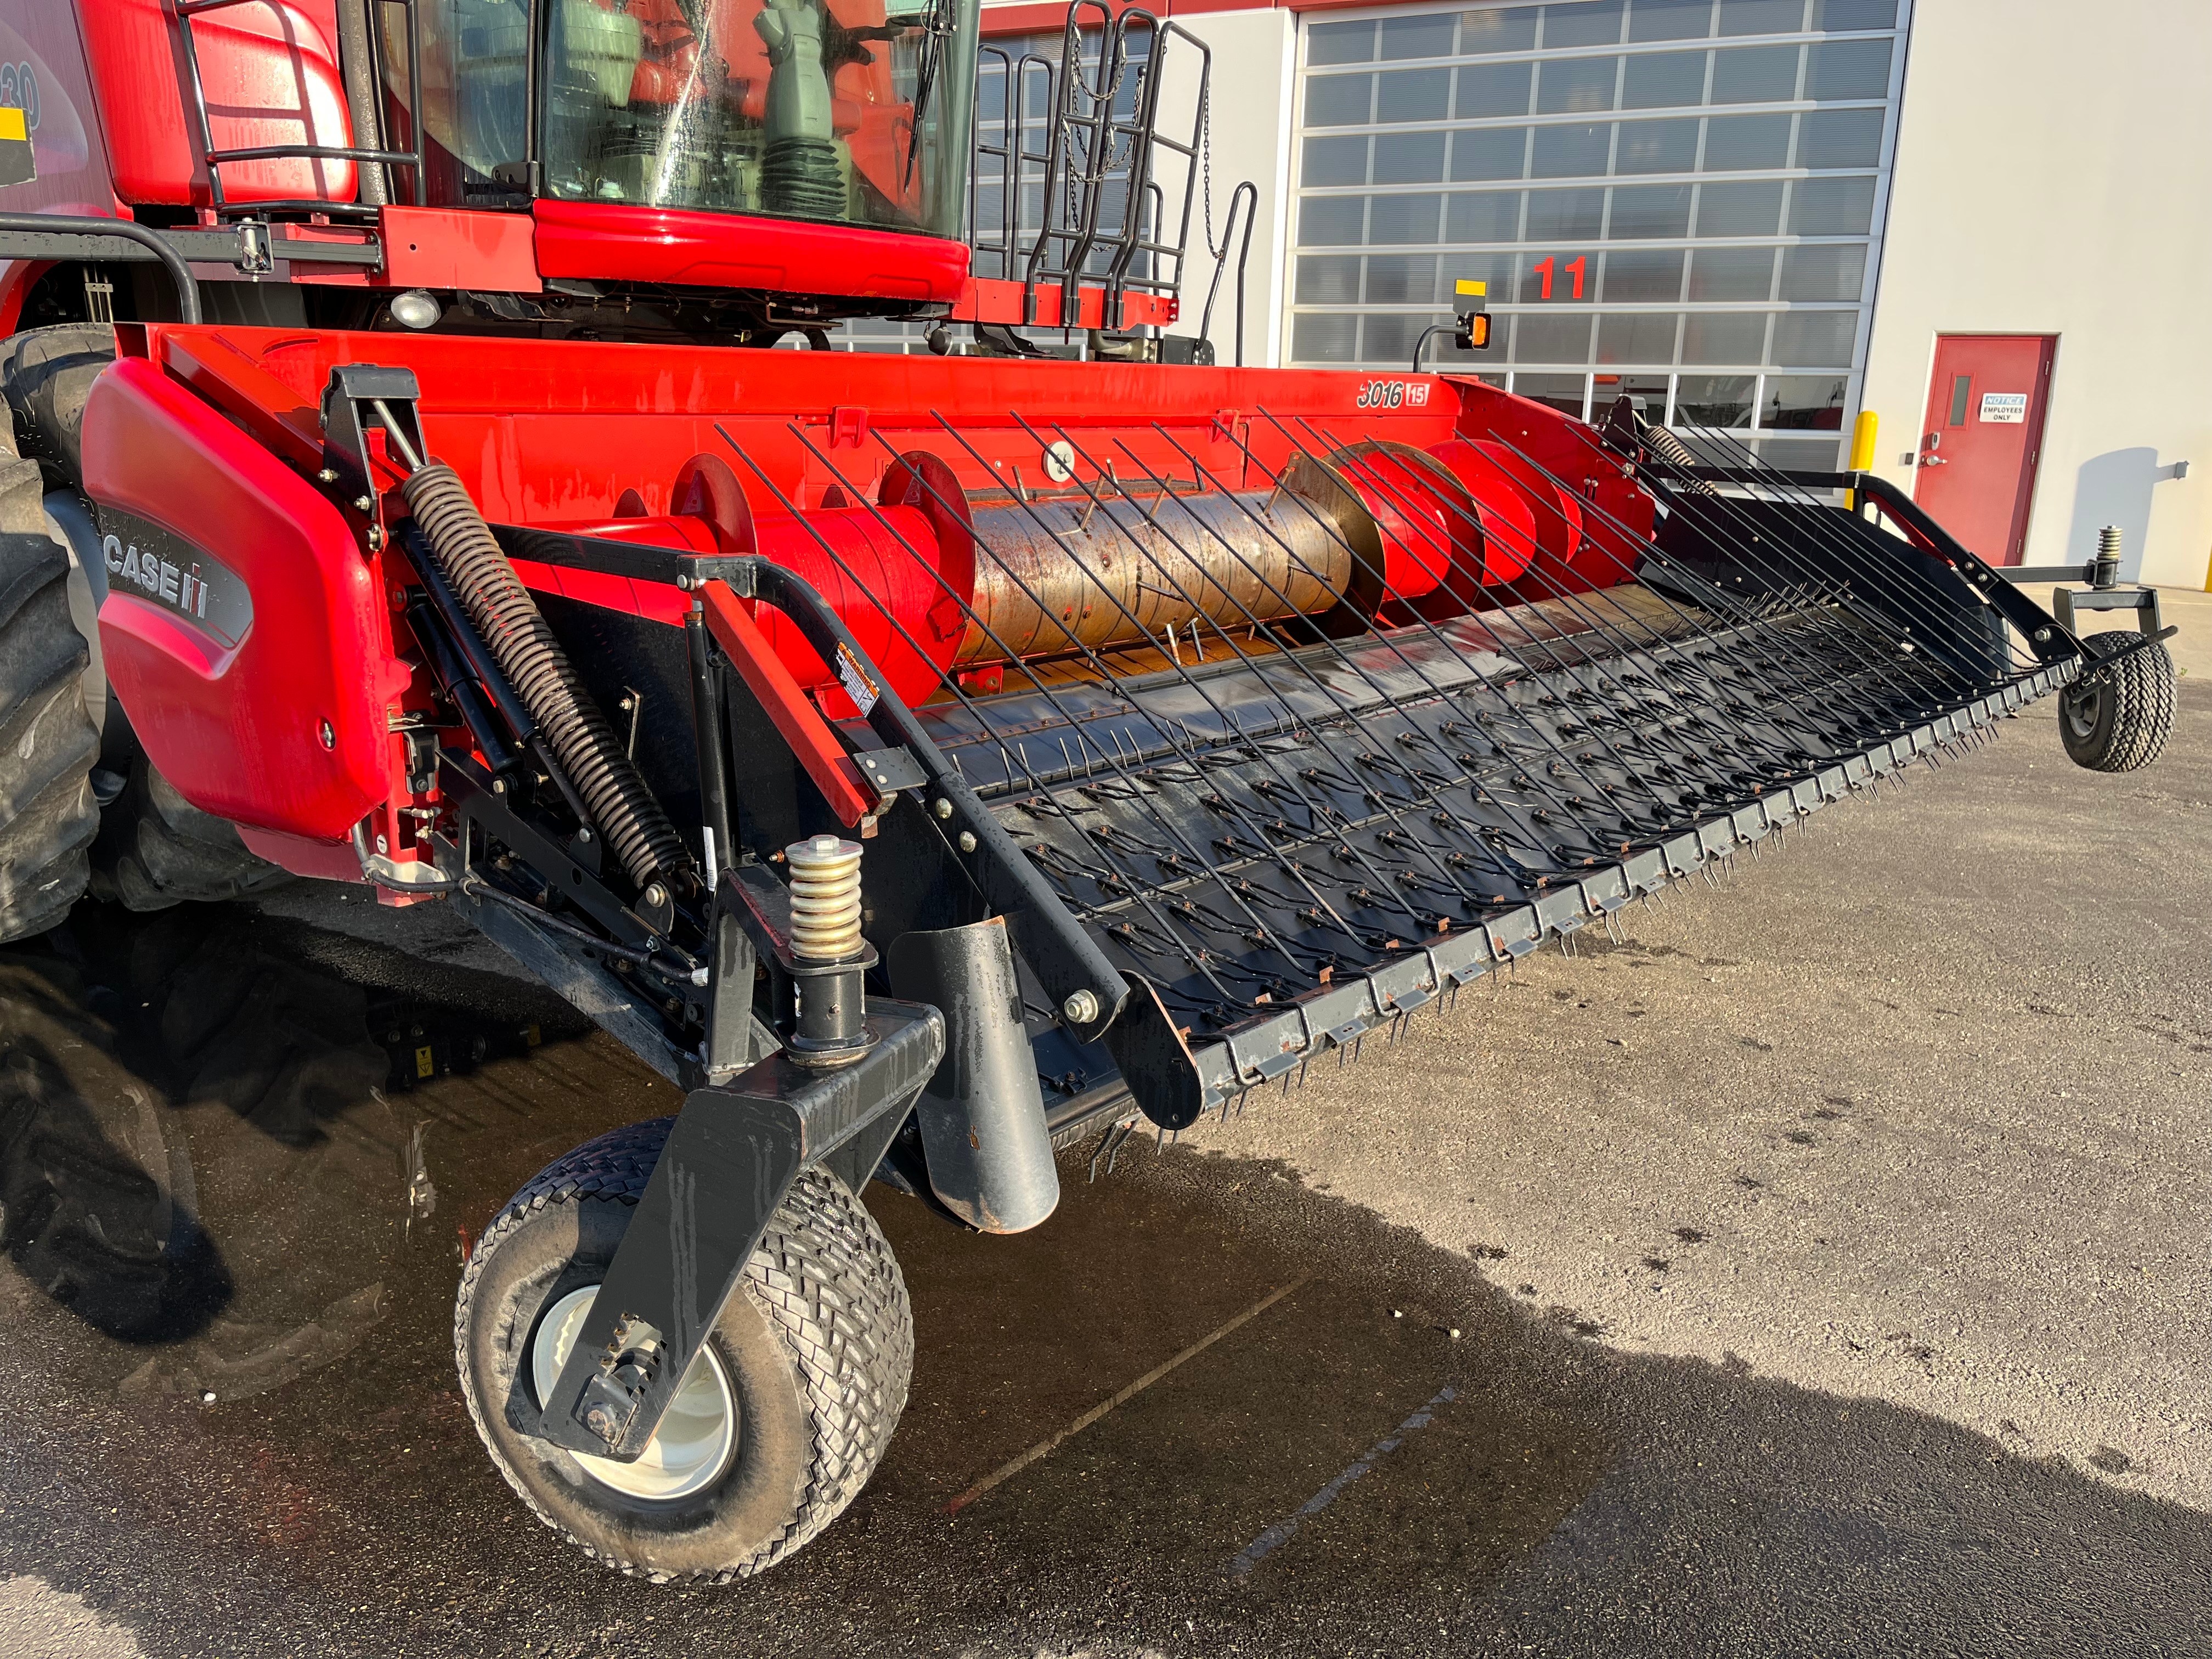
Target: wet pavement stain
{"x": 227, "y": 1171}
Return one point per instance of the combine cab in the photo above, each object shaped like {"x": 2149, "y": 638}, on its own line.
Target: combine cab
{"x": 922, "y": 760}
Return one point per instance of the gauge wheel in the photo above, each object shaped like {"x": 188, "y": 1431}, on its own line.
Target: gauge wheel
{"x": 785, "y": 1412}
{"x": 2118, "y": 714}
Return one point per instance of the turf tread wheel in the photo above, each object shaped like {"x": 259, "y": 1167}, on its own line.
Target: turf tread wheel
{"x": 2129, "y": 701}
{"x": 48, "y": 816}
{"x": 824, "y": 1277}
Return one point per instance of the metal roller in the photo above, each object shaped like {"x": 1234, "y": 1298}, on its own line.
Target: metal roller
{"x": 1057, "y": 577}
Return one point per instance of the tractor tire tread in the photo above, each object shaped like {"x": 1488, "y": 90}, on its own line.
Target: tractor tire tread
{"x": 2141, "y": 684}
{"x": 824, "y": 1277}
{"x": 48, "y": 742}
{"x": 155, "y": 849}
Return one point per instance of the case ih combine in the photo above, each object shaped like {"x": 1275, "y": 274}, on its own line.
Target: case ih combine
{"x": 923, "y": 760}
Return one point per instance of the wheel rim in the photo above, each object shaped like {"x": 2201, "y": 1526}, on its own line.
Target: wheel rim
{"x": 2081, "y": 709}
{"x": 692, "y": 1448}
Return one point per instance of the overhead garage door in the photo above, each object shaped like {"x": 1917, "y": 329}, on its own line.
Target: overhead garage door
{"x": 1677, "y": 198}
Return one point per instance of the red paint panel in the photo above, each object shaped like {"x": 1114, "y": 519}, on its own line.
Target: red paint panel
{"x": 444, "y": 248}
{"x": 1982, "y": 438}
{"x": 271, "y": 72}
{"x": 993, "y": 299}
{"x": 812, "y": 743}
{"x": 729, "y": 250}
{"x": 237, "y": 729}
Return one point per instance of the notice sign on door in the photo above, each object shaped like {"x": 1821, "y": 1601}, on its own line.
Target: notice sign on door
{"x": 2005, "y": 408}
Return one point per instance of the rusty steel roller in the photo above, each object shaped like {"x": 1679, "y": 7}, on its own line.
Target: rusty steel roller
{"x": 1061, "y": 576}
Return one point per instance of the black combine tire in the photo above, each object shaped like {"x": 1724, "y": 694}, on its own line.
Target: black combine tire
{"x": 48, "y": 742}
{"x": 155, "y": 849}
{"x": 2118, "y": 714}
{"x": 783, "y": 1416}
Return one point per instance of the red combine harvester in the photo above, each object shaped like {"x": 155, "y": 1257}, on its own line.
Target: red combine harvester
{"x": 923, "y": 760}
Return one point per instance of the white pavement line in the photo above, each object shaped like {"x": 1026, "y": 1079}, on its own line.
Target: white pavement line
{"x": 1126, "y": 1394}
{"x": 1275, "y": 1536}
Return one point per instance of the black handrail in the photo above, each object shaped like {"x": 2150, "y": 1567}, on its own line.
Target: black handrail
{"x": 71, "y": 224}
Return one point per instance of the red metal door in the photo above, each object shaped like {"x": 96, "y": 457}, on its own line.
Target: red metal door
{"x": 1982, "y": 437}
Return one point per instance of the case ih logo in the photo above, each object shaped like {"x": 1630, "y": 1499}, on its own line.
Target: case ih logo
{"x": 175, "y": 575}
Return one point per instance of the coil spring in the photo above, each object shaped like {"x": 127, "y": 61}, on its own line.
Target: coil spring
{"x": 825, "y": 898}
{"x": 522, "y": 643}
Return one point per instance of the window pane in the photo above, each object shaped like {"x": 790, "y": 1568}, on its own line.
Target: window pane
{"x": 1651, "y": 210}
{"x": 1551, "y": 337}
{"x": 1408, "y": 158}
{"x": 1662, "y": 80}
{"x": 1421, "y": 94}
{"x": 1341, "y": 43}
{"x": 1741, "y": 143}
{"x": 1810, "y": 402}
{"x": 1755, "y": 75}
{"x": 1721, "y": 337}
{"x": 1571, "y": 152}
{"x": 1848, "y": 69}
{"x": 1491, "y": 90}
{"x": 1636, "y": 336}
{"x": 1732, "y": 273}
{"x": 1425, "y": 36}
{"x": 1649, "y": 391}
{"x": 1746, "y": 208}
{"x": 1335, "y": 162}
{"x": 1489, "y": 153}
{"x": 1816, "y": 340}
{"x": 1402, "y": 279}
{"x": 1762, "y": 16}
{"x": 1584, "y": 23}
{"x": 1402, "y": 218}
{"x": 1328, "y": 279}
{"x": 1568, "y": 86}
{"x": 1494, "y": 268}
{"x": 1799, "y": 454}
{"x": 1329, "y": 220}
{"x": 1338, "y": 100}
{"x": 1831, "y": 207}
{"x": 1565, "y": 215}
{"x": 1670, "y": 20}
{"x": 1490, "y": 215}
{"x": 1390, "y": 339}
{"x": 1511, "y": 30}
{"x": 1322, "y": 338}
{"x": 1839, "y": 138}
{"x": 1641, "y": 274}
{"x": 1824, "y": 272}
{"x": 1836, "y": 16}
{"x": 1564, "y": 393}
{"x": 1657, "y": 147}
{"x": 1714, "y": 399}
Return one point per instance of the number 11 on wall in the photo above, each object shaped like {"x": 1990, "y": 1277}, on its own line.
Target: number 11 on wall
{"x": 1573, "y": 269}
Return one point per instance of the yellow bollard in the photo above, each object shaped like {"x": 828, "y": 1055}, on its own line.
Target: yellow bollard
{"x": 1862, "y": 436}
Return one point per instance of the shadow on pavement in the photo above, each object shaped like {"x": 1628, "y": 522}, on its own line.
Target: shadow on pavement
{"x": 229, "y": 1172}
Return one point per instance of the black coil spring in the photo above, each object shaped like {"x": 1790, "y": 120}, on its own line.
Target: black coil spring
{"x": 522, "y": 642}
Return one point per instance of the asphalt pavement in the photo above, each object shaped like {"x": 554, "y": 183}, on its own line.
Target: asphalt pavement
{"x": 1821, "y": 1268}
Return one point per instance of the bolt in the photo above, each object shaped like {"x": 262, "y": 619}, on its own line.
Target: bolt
{"x": 329, "y": 737}
{"x": 365, "y": 503}
{"x": 381, "y": 845}
{"x": 1081, "y": 1007}
{"x": 967, "y": 841}
{"x": 942, "y": 807}
{"x": 656, "y": 895}
{"x": 328, "y": 475}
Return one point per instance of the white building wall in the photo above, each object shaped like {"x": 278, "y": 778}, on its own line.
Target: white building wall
{"x": 1252, "y": 82}
{"x": 2053, "y": 175}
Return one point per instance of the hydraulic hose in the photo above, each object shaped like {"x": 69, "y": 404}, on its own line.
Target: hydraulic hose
{"x": 622, "y": 808}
